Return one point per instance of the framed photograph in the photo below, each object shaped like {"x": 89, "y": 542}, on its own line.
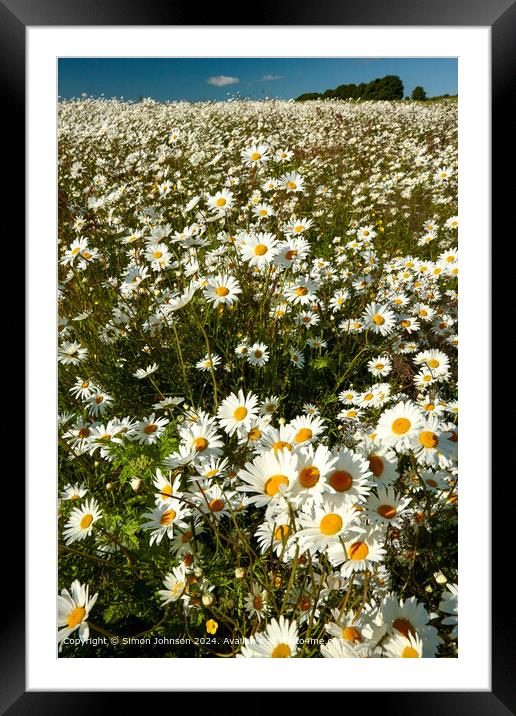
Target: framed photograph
{"x": 249, "y": 446}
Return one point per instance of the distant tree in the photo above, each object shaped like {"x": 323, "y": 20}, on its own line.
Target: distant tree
{"x": 384, "y": 88}
{"x": 419, "y": 94}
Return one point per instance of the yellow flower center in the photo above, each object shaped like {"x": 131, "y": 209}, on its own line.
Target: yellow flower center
{"x": 358, "y": 550}
{"x": 263, "y": 212}
{"x": 409, "y": 653}
{"x": 282, "y": 651}
{"x": 387, "y": 511}
{"x": 240, "y": 413}
{"x": 167, "y": 517}
{"x": 157, "y": 254}
{"x": 292, "y": 185}
{"x": 379, "y": 366}
{"x": 351, "y": 634}
{"x": 369, "y": 396}
{"x": 86, "y": 521}
{"x": 401, "y": 426}
{"x": 301, "y": 291}
{"x": 429, "y": 406}
{"x": 166, "y": 491}
{"x": 404, "y": 627}
{"x": 309, "y": 476}
{"x": 255, "y": 156}
{"x": 299, "y": 228}
{"x": 254, "y": 434}
{"x": 221, "y": 291}
{"x": 341, "y": 480}
{"x": 428, "y": 439}
{"x": 433, "y": 363}
{"x": 200, "y": 444}
{"x": 274, "y": 483}
{"x": 258, "y": 602}
{"x": 221, "y": 201}
{"x": 330, "y": 524}
{"x": 290, "y": 255}
{"x": 216, "y": 505}
{"x": 84, "y": 432}
{"x": 260, "y": 249}
{"x": 378, "y": 319}
{"x": 150, "y": 429}
{"x": 302, "y": 435}
{"x": 75, "y": 617}
{"x": 281, "y": 532}
{"x": 280, "y": 445}
{"x": 405, "y": 324}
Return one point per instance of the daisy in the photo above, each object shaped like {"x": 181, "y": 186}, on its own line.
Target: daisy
{"x": 145, "y": 372}
{"x": 259, "y": 249}
{"x": 262, "y": 211}
{"x": 278, "y": 439}
{"x": 291, "y": 182}
{"x": 163, "y": 519}
{"x": 237, "y": 411}
{"x": 306, "y": 428}
{"x": 255, "y": 602}
{"x": 209, "y": 362}
{"x": 294, "y": 249}
{"x": 214, "y": 467}
{"x": 82, "y": 389}
{"x": 449, "y": 605}
{"x": 269, "y": 476}
{"x": 409, "y": 618}
{"x": 73, "y": 492}
{"x": 278, "y": 641}
{"x": 158, "y": 255}
{"x": 73, "y": 608}
{"x": 379, "y": 318}
{"x": 379, "y": 366}
{"x": 295, "y": 227}
{"x": 202, "y": 439}
{"x": 430, "y": 446}
{"x": 258, "y": 354}
{"x": 398, "y": 425}
{"x": 437, "y": 361}
{"x": 221, "y": 201}
{"x": 269, "y": 405}
{"x": 81, "y": 520}
{"x": 149, "y": 430}
{"x": 386, "y": 507}
{"x": 326, "y": 524}
{"x": 339, "y": 649}
{"x": 338, "y": 300}
{"x": 71, "y": 353}
{"x": 255, "y": 155}
{"x": 165, "y": 488}
{"x": 175, "y": 584}
{"x": 98, "y": 402}
{"x": 361, "y": 553}
{"x": 212, "y": 500}
{"x": 402, "y": 647}
{"x": 348, "y": 478}
{"x": 277, "y": 534}
{"x": 297, "y": 358}
{"x": 313, "y": 467}
{"x": 283, "y": 155}
{"x": 302, "y": 291}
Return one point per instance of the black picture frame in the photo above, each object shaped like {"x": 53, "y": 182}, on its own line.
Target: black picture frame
{"x": 500, "y": 16}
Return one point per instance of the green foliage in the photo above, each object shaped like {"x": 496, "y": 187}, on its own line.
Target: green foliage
{"x": 389, "y": 87}
{"x": 419, "y": 94}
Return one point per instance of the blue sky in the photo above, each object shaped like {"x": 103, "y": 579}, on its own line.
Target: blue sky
{"x": 197, "y": 79}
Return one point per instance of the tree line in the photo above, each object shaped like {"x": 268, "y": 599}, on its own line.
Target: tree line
{"x": 383, "y": 88}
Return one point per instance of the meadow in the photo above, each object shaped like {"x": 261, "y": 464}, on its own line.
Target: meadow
{"x": 257, "y": 348}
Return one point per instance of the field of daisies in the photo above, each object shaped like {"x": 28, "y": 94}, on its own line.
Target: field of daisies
{"x": 257, "y": 349}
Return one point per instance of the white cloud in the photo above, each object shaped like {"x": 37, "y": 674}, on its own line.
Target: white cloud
{"x": 268, "y": 78}
{"x": 222, "y": 80}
